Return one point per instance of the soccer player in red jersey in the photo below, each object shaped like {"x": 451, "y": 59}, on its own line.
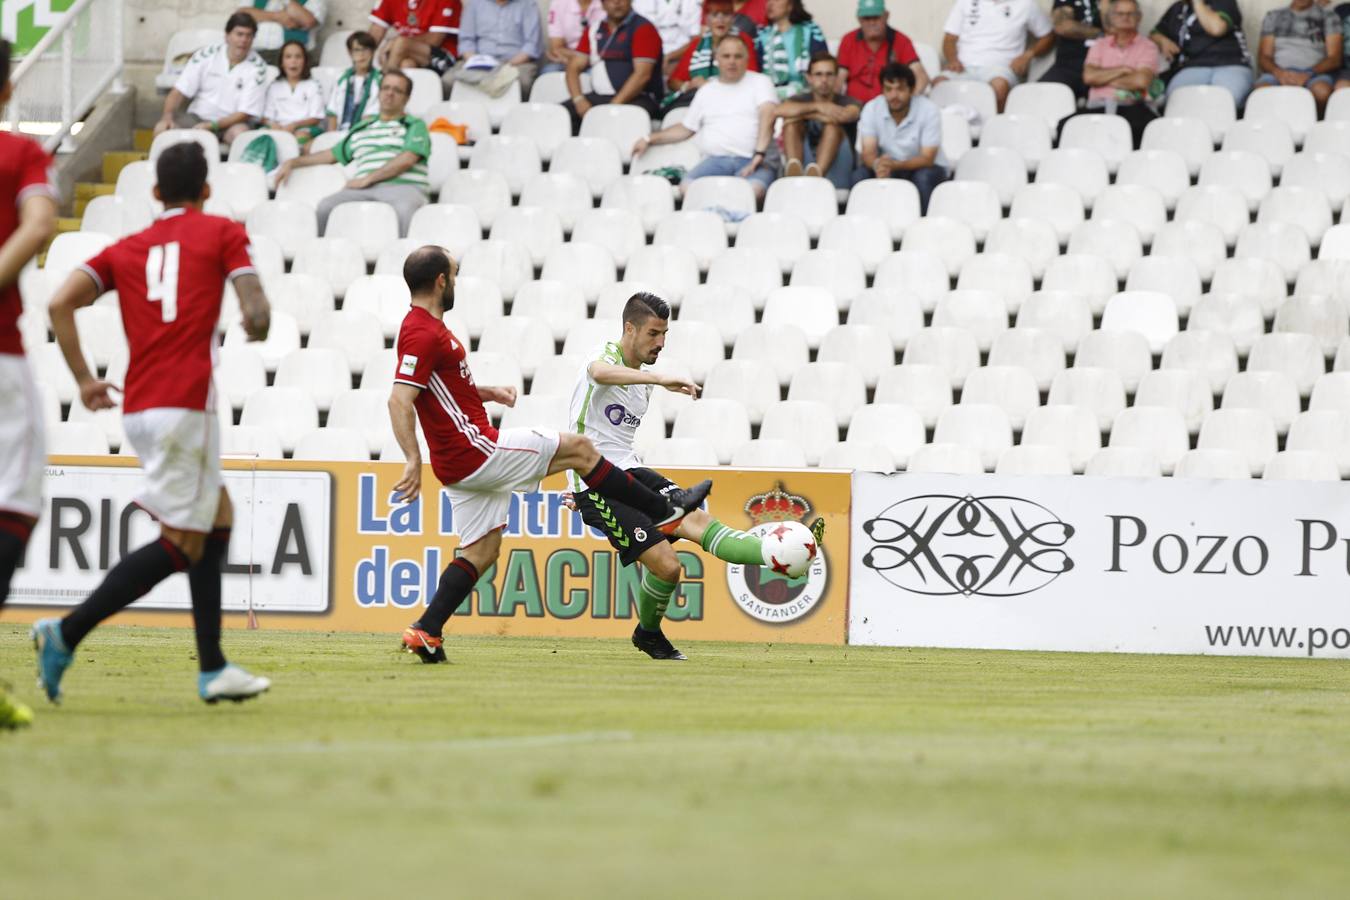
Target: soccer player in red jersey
{"x": 169, "y": 279}
{"x": 27, "y": 221}
{"x": 479, "y": 466}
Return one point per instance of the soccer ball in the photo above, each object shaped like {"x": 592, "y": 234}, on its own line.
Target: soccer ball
{"x": 788, "y": 548}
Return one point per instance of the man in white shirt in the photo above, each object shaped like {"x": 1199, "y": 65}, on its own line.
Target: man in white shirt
{"x": 226, "y": 84}
{"x": 986, "y": 40}
{"x": 731, "y": 120}
{"x": 679, "y": 21}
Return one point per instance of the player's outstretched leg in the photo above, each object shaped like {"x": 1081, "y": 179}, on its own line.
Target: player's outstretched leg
{"x": 14, "y": 534}
{"x": 217, "y": 680}
{"x": 666, "y": 511}
{"x": 738, "y": 547}
{"x": 56, "y": 639}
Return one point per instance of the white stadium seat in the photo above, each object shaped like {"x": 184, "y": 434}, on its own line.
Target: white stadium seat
{"x": 1033, "y": 459}
{"x": 951, "y": 240}
{"x": 671, "y": 268}
{"x": 769, "y": 453}
{"x": 453, "y": 226}
{"x": 537, "y": 229}
{"x": 1038, "y": 351}
{"x": 809, "y": 424}
{"x": 1200, "y": 242}
{"x": 839, "y": 272}
{"x": 1209, "y": 353}
{"x": 1006, "y": 275}
{"x": 1108, "y": 135}
{"x": 1158, "y": 429}
{"x": 897, "y": 428}
{"x": 1049, "y": 101}
{"x": 588, "y": 266}
{"x": 954, "y": 350}
{"x": 1212, "y": 462}
{"x": 485, "y": 191}
{"x": 982, "y": 313}
{"x": 1243, "y": 171}
{"x": 1110, "y": 239}
{"x": 864, "y": 236}
{"x": 949, "y": 459}
{"x": 1191, "y": 138}
{"x": 1322, "y": 316}
{"x": 1259, "y": 279}
{"x": 753, "y": 271}
{"x": 923, "y": 387}
{"x": 811, "y": 309}
{"x": 650, "y": 197}
{"x": 1091, "y": 277}
{"x": 332, "y": 444}
{"x": 1301, "y": 465}
{"x": 507, "y": 263}
{"x": 239, "y": 372}
{"x": 1297, "y": 355}
{"x": 1305, "y": 207}
{"x": 618, "y": 123}
{"x": 1150, "y": 313}
{"x": 242, "y": 186}
{"x": 498, "y": 107}
{"x": 1028, "y": 136}
{"x": 1326, "y": 431}
{"x": 1057, "y": 205}
{"x": 918, "y": 274}
{"x": 116, "y": 216}
{"x": 982, "y": 427}
{"x": 974, "y": 203}
{"x": 355, "y": 334}
{"x": 1184, "y": 390}
{"x": 1063, "y": 313}
{"x": 370, "y": 225}
{"x": 516, "y": 159}
{"x": 1012, "y": 389}
{"x": 1250, "y": 432}
{"x": 857, "y": 456}
{"x": 1034, "y": 241}
{"x": 251, "y": 441}
{"x": 1163, "y": 170}
{"x": 289, "y": 412}
{"x": 868, "y": 349}
{"x": 564, "y": 194}
{"x": 319, "y": 372}
{"x": 619, "y": 231}
{"x": 812, "y": 199}
{"x": 1269, "y": 139}
{"x": 1171, "y": 275}
{"x": 289, "y": 223}
{"x": 892, "y": 200}
{"x": 1294, "y": 106}
{"x": 1001, "y": 168}
{"x": 1327, "y": 173}
{"x": 597, "y": 161}
{"x": 694, "y": 345}
{"x": 76, "y": 439}
{"x": 1141, "y": 206}
{"x": 722, "y": 423}
{"x": 1126, "y": 352}
{"x": 977, "y": 95}
{"x": 1212, "y": 105}
{"x": 365, "y": 412}
{"x": 1083, "y": 170}
{"x": 690, "y": 452}
{"x": 282, "y": 337}
{"x": 750, "y": 382}
{"x": 539, "y": 411}
{"x": 1272, "y": 392}
{"x": 838, "y": 385}
{"x": 782, "y": 347}
{"x": 556, "y": 304}
{"x": 526, "y": 339}
{"x": 336, "y": 260}
{"x": 720, "y": 192}
{"x": 784, "y": 235}
{"x": 1073, "y": 429}
{"x": 699, "y": 232}
{"x": 1285, "y": 245}
{"x": 728, "y": 310}
{"x": 1124, "y": 462}
{"x": 546, "y": 124}
{"x": 1234, "y": 315}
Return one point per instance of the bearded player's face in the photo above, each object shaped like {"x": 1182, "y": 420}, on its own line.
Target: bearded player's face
{"x": 650, "y": 339}
{"x": 448, "y": 292}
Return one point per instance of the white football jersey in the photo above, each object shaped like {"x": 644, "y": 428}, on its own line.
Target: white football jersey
{"x": 609, "y": 414}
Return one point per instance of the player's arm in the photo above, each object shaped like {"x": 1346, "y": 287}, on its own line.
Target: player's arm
{"x": 607, "y": 373}
{"x": 79, "y": 290}
{"x": 403, "y": 418}
{"x": 37, "y": 224}
{"x": 506, "y": 396}
{"x": 254, "y": 305}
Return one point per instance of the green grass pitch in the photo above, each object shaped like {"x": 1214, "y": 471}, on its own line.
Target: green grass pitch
{"x": 578, "y": 768}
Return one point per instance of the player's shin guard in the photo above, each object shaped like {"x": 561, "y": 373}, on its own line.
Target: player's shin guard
{"x": 730, "y": 545}
{"x": 14, "y": 534}
{"x": 204, "y": 579}
{"x": 128, "y": 581}
{"x": 457, "y": 582}
{"x": 653, "y": 597}
{"x": 608, "y": 480}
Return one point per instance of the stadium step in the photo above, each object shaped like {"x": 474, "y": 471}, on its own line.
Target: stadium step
{"x": 115, "y": 161}
{"x": 141, "y": 140}
{"x": 86, "y": 191}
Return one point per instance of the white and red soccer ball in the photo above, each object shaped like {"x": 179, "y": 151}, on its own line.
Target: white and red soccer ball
{"x": 788, "y": 548}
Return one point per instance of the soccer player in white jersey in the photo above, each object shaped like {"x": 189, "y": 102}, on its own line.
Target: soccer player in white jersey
{"x": 608, "y": 404}
{"x": 27, "y": 221}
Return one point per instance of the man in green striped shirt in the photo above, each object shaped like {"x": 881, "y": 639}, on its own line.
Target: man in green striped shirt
{"x": 388, "y": 152}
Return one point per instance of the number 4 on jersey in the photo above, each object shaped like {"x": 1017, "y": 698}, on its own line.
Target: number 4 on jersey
{"x": 161, "y": 279}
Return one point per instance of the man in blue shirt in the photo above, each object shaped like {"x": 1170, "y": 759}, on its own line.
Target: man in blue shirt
{"x": 508, "y": 31}
{"x": 902, "y": 135}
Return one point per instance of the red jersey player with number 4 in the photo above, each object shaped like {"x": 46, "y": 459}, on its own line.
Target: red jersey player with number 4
{"x": 169, "y": 279}
{"x": 479, "y": 466}
{"x": 27, "y": 221}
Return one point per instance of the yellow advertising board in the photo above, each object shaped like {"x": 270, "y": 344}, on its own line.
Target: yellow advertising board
{"x": 320, "y": 546}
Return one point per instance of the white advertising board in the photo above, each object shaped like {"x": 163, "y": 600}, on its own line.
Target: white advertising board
{"x": 1101, "y": 564}
{"x": 280, "y": 551}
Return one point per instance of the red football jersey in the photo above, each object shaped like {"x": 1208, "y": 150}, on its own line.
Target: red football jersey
{"x": 456, "y": 426}
{"x": 410, "y": 17}
{"x": 25, "y": 170}
{"x": 169, "y": 280}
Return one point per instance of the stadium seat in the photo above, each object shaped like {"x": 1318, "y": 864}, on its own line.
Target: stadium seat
{"x": 443, "y": 160}
{"x": 983, "y": 313}
{"x": 892, "y": 200}
{"x": 1257, "y": 279}
{"x": 695, "y": 345}
{"x": 1158, "y": 429}
{"x": 250, "y": 441}
{"x": 70, "y": 249}
{"x": 1243, "y": 172}
{"x": 1108, "y": 135}
{"x": 477, "y": 302}
{"x": 1191, "y": 138}
{"x": 857, "y": 456}
{"x": 507, "y": 263}
{"x": 1033, "y": 459}
{"x": 1271, "y": 140}
{"x": 1283, "y": 244}
{"x": 391, "y": 452}
{"x": 546, "y": 124}
{"x": 650, "y": 197}
{"x": 1003, "y": 274}
{"x": 1305, "y": 207}
{"x": 561, "y": 194}
{"x": 620, "y": 124}
{"x": 1184, "y": 390}
{"x": 539, "y": 412}
{"x": 838, "y": 385}
{"x": 1250, "y": 432}
{"x": 811, "y": 309}
{"x": 242, "y": 186}
{"x": 365, "y": 413}
{"x": 916, "y": 273}
{"x": 179, "y": 49}
{"x": 555, "y": 304}
{"x": 486, "y": 191}
{"x": 394, "y": 255}
{"x": 1028, "y": 136}
{"x": 1332, "y": 391}
{"x": 332, "y": 444}
{"x": 1141, "y": 206}
{"x": 498, "y": 107}
{"x": 783, "y": 347}
{"x": 1210, "y": 353}
{"x": 135, "y": 182}
{"x": 722, "y": 423}
{"x": 682, "y": 154}
{"x": 537, "y": 229}
{"x": 665, "y": 406}
{"x": 954, "y": 350}
{"x": 726, "y": 309}
{"x": 1066, "y": 314}
{"x": 783, "y": 235}
{"x": 495, "y": 370}
{"x": 1057, "y": 205}
{"x": 527, "y": 339}
{"x": 598, "y": 162}
{"x": 287, "y": 145}
{"x": 1049, "y": 101}
{"x": 1127, "y": 352}
{"x": 378, "y": 376}
{"x": 721, "y": 192}
{"x": 950, "y": 240}
{"x": 945, "y": 459}
{"x": 1297, "y": 355}
{"x": 426, "y": 90}
{"x": 1109, "y": 239}
{"x": 619, "y": 231}
{"x": 839, "y": 272}
{"x": 311, "y": 185}
{"x": 1152, "y": 314}
{"x": 1012, "y": 389}
{"x": 974, "y": 203}
{"x": 306, "y": 297}
{"x": 1326, "y": 173}
{"x": 282, "y": 337}
{"x": 769, "y": 453}
{"x": 752, "y": 271}
{"x": 673, "y": 269}
{"x": 1073, "y": 429}
{"x": 551, "y": 88}
{"x": 1326, "y": 431}
{"x": 239, "y": 372}
{"x": 1083, "y": 170}
{"x": 76, "y": 439}
{"x": 116, "y": 216}
{"x": 336, "y": 260}
{"x": 977, "y": 95}
{"x": 1214, "y": 463}
{"x": 370, "y": 225}
{"x": 924, "y": 387}
{"x": 357, "y": 335}
{"x": 1033, "y": 241}
{"x": 101, "y": 333}
{"x": 751, "y": 383}
{"x": 1163, "y": 170}
{"x": 979, "y": 426}
{"x": 1272, "y": 392}
{"x": 1124, "y": 462}
{"x": 453, "y": 226}
{"x": 588, "y": 266}
{"x": 1001, "y": 168}
{"x": 688, "y": 452}
{"x": 1172, "y": 276}
{"x": 1040, "y": 352}
{"x": 1200, "y": 242}
{"x": 1301, "y": 465}
{"x": 865, "y": 237}
{"x": 289, "y": 223}
{"x": 1294, "y": 106}
{"x": 699, "y": 232}
{"x": 809, "y": 424}
{"x": 472, "y": 114}
{"x": 614, "y": 297}
{"x": 812, "y": 199}
{"x": 1236, "y": 316}
{"x": 1212, "y": 105}
{"x": 895, "y": 427}
{"x": 516, "y": 159}
{"x": 1320, "y": 315}
{"x": 288, "y": 412}
{"x": 109, "y": 421}
{"x": 868, "y": 349}
{"x": 1087, "y": 275}
{"x": 557, "y": 375}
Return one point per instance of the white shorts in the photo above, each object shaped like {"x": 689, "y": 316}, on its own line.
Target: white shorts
{"x": 479, "y": 503}
{"x": 179, "y": 450}
{"x": 985, "y": 74}
{"x": 23, "y": 445}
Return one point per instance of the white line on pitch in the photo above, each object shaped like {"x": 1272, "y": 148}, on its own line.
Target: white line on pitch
{"x": 481, "y": 743}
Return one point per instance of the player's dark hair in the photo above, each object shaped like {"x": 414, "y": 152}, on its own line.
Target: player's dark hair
{"x": 4, "y": 63}
{"x": 898, "y": 72}
{"x": 180, "y": 173}
{"x": 643, "y": 306}
{"x": 361, "y": 39}
{"x": 399, "y": 73}
{"x": 822, "y": 56}
{"x": 423, "y": 266}
{"x": 304, "y": 54}
{"x": 241, "y": 20}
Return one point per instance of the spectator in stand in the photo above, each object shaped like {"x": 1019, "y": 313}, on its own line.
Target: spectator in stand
{"x": 751, "y": 15}
{"x": 902, "y": 135}
{"x": 680, "y": 22}
{"x": 698, "y": 66}
{"x": 282, "y": 21}
{"x": 1121, "y": 68}
{"x": 506, "y": 31}
{"x": 423, "y": 34}
{"x": 357, "y": 92}
{"x": 567, "y": 21}
{"x": 623, "y": 54}
{"x": 731, "y": 119}
{"x": 986, "y": 40}
{"x": 786, "y": 45}
{"x": 873, "y": 46}
{"x": 295, "y": 100}
{"x": 820, "y": 126}
{"x": 226, "y": 84}
{"x": 1301, "y": 46}
{"x": 1075, "y": 22}
{"x": 389, "y": 152}
{"x": 1203, "y": 40}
